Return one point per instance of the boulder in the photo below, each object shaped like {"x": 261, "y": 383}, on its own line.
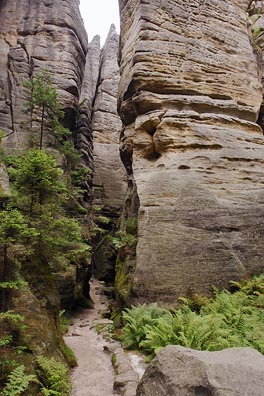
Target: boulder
{"x": 179, "y": 371}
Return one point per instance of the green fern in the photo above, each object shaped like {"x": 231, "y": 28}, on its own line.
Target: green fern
{"x": 18, "y": 382}
{"x": 227, "y": 320}
{"x": 135, "y": 320}
{"x": 53, "y": 377}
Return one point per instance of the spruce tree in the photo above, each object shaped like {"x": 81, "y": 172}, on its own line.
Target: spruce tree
{"x": 44, "y": 108}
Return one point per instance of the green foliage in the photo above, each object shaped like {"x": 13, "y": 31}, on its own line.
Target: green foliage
{"x": 256, "y": 32}
{"x": 43, "y": 107}
{"x": 80, "y": 175}
{"x": 253, "y": 286}
{"x": 11, "y": 316}
{"x": 14, "y": 231}
{"x": 4, "y": 341}
{"x": 69, "y": 356}
{"x": 136, "y": 319}
{"x": 64, "y": 321}
{"x": 13, "y": 227}
{"x": 132, "y": 225}
{"x": 61, "y": 235}
{"x": 35, "y": 227}
{"x": 228, "y": 320}
{"x": 122, "y": 239}
{"x": 14, "y": 284}
{"x": 18, "y": 382}
{"x": 38, "y": 180}
{"x": 41, "y": 194}
{"x": 53, "y": 377}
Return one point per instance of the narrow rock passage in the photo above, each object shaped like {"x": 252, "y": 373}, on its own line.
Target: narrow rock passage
{"x": 94, "y": 375}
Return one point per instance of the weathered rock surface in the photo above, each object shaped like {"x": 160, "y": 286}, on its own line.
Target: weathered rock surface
{"x": 189, "y": 97}
{"x": 178, "y": 371}
{"x": 33, "y": 35}
{"x": 109, "y": 180}
{"x": 256, "y": 29}
{"x": 84, "y": 135}
{"x": 109, "y": 177}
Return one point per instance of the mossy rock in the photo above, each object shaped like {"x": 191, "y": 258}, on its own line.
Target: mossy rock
{"x": 125, "y": 268}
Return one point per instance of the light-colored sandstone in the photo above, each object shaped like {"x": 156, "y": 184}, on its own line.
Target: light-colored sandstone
{"x": 38, "y": 35}
{"x": 110, "y": 176}
{"x": 189, "y": 96}
{"x": 179, "y": 371}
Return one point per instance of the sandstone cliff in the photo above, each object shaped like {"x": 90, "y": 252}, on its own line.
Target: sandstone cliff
{"x": 190, "y": 93}
{"x": 38, "y": 35}
{"x": 46, "y": 34}
{"x": 109, "y": 177}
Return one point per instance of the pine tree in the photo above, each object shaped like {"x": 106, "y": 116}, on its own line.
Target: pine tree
{"x": 44, "y": 108}
{"x": 37, "y": 181}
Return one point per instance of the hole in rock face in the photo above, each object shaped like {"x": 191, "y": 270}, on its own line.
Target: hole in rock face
{"x": 260, "y": 120}
{"x": 73, "y": 90}
{"x": 151, "y": 130}
{"x": 183, "y": 167}
{"x": 202, "y": 391}
{"x": 153, "y": 156}
{"x": 69, "y": 118}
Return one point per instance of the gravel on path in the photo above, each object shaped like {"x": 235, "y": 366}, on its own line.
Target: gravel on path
{"x": 94, "y": 375}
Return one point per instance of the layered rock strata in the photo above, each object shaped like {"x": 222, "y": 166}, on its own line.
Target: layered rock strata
{"x": 84, "y": 134}
{"x": 256, "y": 30}
{"x": 109, "y": 182}
{"x": 46, "y": 34}
{"x": 190, "y": 94}
{"x": 99, "y": 103}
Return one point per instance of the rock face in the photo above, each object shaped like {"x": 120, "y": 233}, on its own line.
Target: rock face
{"x": 34, "y": 35}
{"x": 178, "y": 371}
{"x": 189, "y": 97}
{"x": 44, "y": 34}
{"x": 256, "y": 22}
{"x": 84, "y": 134}
{"x": 110, "y": 176}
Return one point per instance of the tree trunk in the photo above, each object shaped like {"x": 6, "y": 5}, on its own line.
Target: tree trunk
{"x": 42, "y": 127}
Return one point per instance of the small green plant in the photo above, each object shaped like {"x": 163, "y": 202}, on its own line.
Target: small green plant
{"x": 69, "y": 356}
{"x": 18, "y": 382}
{"x": 132, "y": 225}
{"x": 122, "y": 239}
{"x": 64, "y": 321}
{"x": 53, "y": 377}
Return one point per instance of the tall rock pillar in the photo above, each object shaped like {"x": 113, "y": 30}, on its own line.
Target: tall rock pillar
{"x": 189, "y": 98}
{"x": 109, "y": 182}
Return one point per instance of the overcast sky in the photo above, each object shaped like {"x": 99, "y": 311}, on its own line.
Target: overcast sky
{"x": 98, "y": 16}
